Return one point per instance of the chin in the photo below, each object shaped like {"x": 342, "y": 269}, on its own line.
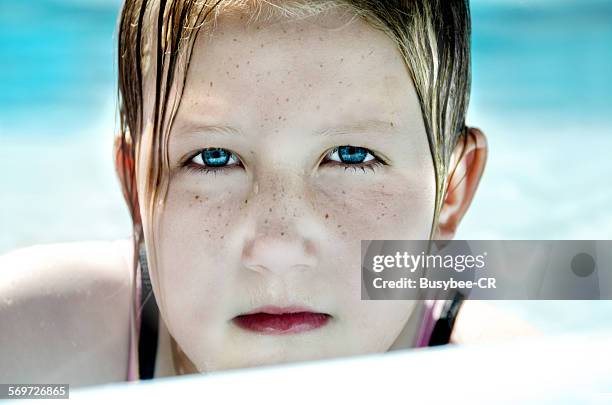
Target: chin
{"x": 269, "y": 357}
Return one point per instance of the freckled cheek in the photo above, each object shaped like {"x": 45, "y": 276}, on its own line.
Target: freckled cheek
{"x": 379, "y": 210}
{"x": 194, "y": 226}
{"x": 204, "y": 214}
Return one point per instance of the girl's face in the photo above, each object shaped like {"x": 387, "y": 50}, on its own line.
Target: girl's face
{"x": 318, "y": 142}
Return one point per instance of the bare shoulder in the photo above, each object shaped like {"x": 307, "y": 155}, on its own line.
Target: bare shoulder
{"x": 64, "y": 311}
{"x": 483, "y": 322}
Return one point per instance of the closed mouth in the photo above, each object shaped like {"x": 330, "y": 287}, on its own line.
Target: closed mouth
{"x": 275, "y": 320}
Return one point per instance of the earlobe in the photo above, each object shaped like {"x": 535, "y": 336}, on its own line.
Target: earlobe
{"x": 465, "y": 171}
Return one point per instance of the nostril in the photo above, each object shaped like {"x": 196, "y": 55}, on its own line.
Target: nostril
{"x": 302, "y": 267}
{"x": 257, "y": 268}
{"x": 276, "y": 254}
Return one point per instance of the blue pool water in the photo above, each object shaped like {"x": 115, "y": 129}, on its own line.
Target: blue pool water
{"x": 542, "y": 91}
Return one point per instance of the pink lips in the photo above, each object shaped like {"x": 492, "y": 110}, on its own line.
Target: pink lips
{"x": 277, "y": 320}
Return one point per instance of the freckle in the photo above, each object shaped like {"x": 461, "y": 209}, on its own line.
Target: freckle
{"x": 318, "y": 107}
{"x": 222, "y": 236}
{"x": 257, "y": 80}
{"x": 280, "y": 117}
{"x": 227, "y": 223}
{"x": 282, "y": 218}
{"x": 227, "y": 73}
{"x": 237, "y": 66}
{"x": 320, "y": 38}
{"x": 282, "y": 82}
{"x": 391, "y": 123}
{"x": 321, "y": 65}
{"x": 339, "y": 226}
{"x": 326, "y": 215}
{"x": 343, "y": 192}
{"x": 211, "y": 84}
{"x": 266, "y": 221}
{"x": 383, "y": 214}
{"x": 344, "y": 233}
{"x": 197, "y": 197}
{"x": 218, "y": 207}
{"x": 206, "y": 230}
{"x": 340, "y": 82}
{"x": 287, "y": 100}
{"x": 248, "y": 62}
{"x": 270, "y": 210}
{"x": 262, "y": 45}
{"x": 282, "y": 233}
{"x": 309, "y": 85}
{"x": 235, "y": 40}
{"x": 246, "y": 201}
{"x": 341, "y": 60}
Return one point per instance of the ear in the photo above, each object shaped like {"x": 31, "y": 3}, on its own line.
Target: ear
{"x": 466, "y": 168}
{"x": 122, "y": 158}
{"x": 125, "y": 168}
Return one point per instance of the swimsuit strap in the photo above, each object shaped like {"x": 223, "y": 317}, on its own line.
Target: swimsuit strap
{"x": 443, "y": 327}
{"x": 149, "y": 323}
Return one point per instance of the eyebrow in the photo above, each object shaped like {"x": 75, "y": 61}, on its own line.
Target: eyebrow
{"x": 364, "y": 126}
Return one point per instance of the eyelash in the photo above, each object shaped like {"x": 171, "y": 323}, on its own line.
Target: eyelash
{"x": 372, "y": 164}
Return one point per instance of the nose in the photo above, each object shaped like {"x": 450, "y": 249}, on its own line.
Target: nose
{"x": 279, "y": 254}
{"x": 283, "y": 230}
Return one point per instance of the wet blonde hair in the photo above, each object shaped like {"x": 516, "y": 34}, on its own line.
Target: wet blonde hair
{"x": 155, "y": 39}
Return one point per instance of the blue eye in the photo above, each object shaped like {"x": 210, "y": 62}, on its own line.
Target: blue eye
{"x": 211, "y": 159}
{"x": 354, "y": 157}
{"x": 215, "y": 157}
{"x": 351, "y": 155}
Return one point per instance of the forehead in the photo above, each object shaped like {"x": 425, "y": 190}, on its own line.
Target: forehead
{"x": 323, "y": 70}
